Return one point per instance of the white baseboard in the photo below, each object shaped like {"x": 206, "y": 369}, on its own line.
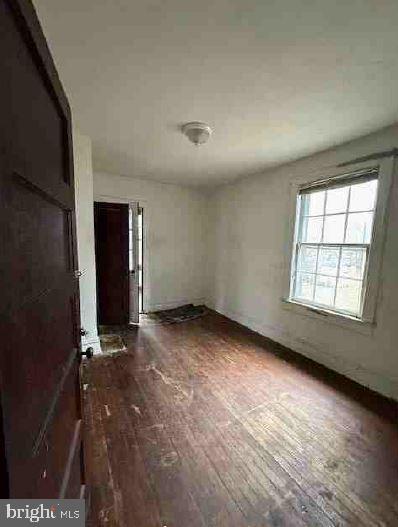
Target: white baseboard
{"x": 172, "y": 304}
{"x": 373, "y": 380}
{"x": 92, "y": 342}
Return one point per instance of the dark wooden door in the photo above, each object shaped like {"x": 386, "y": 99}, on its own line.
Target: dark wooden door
{"x": 39, "y": 308}
{"x": 112, "y": 262}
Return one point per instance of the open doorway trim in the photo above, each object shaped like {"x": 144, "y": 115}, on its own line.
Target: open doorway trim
{"x": 142, "y": 204}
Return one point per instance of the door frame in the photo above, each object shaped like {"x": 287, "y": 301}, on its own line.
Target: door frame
{"x": 142, "y": 203}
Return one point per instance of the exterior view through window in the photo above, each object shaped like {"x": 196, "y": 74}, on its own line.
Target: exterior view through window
{"x": 334, "y": 223}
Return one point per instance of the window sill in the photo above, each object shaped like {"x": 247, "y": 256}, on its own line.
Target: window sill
{"x": 360, "y": 326}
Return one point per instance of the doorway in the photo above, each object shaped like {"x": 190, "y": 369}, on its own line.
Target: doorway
{"x": 119, "y": 250}
{"x": 136, "y": 260}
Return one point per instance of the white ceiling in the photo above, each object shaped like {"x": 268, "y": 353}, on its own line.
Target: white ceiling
{"x": 276, "y": 79}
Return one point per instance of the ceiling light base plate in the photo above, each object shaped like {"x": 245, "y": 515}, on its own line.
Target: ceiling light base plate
{"x": 198, "y": 133}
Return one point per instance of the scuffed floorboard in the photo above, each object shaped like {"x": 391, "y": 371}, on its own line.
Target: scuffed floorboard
{"x": 205, "y": 424}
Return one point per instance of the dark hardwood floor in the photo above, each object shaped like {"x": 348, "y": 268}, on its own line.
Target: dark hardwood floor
{"x": 205, "y": 423}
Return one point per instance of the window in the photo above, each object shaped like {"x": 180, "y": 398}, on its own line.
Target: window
{"x": 337, "y": 242}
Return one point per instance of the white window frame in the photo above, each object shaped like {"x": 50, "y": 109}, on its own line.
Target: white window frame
{"x": 385, "y": 169}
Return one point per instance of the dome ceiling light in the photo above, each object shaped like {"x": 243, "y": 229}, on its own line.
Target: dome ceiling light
{"x": 198, "y": 133}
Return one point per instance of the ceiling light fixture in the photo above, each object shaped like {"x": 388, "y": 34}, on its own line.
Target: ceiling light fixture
{"x": 198, "y": 133}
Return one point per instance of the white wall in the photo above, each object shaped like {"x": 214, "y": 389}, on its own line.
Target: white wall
{"x": 226, "y": 247}
{"x": 85, "y": 238}
{"x": 246, "y": 256}
{"x": 174, "y": 225}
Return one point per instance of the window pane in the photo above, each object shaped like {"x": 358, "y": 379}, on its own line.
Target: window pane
{"x": 313, "y": 203}
{"x": 324, "y": 290}
{"x": 307, "y": 259}
{"x": 359, "y": 227}
{"x": 312, "y": 230}
{"x": 334, "y": 229}
{"x": 328, "y": 261}
{"x": 348, "y": 295}
{"x": 352, "y": 263}
{"x": 130, "y": 260}
{"x": 337, "y": 200}
{"x": 363, "y": 196}
{"x": 304, "y": 286}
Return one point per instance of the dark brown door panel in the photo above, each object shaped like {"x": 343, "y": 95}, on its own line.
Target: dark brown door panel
{"x": 112, "y": 262}
{"x": 39, "y": 312}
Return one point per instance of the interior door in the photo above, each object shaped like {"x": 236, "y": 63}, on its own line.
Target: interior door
{"x": 39, "y": 309}
{"x": 134, "y": 263}
{"x": 111, "y": 223}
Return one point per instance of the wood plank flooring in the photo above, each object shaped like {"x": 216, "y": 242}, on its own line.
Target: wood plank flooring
{"x": 205, "y": 423}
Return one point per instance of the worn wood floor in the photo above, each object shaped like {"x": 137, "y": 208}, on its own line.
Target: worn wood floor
{"x": 207, "y": 424}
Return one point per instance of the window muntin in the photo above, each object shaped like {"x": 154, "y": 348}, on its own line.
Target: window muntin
{"x": 334, "y": 225}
